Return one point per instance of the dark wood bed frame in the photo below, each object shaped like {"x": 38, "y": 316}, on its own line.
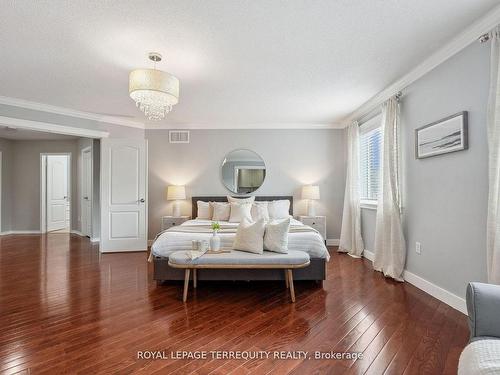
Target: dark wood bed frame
{"x": 163, "y": 272}
{"x": 194, "y": 200}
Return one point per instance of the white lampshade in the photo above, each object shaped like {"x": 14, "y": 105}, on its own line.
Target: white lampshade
{"x": 176, "y": 192}
{"x": 154, "y": 92}
{"x": 310, "y": 192}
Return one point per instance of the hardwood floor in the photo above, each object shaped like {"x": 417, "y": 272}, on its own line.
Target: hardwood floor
{"x": 64, "y": 308}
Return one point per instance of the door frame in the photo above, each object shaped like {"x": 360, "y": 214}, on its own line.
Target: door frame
{"x": 43, "y": 189}
{"x": 91, "y": 193}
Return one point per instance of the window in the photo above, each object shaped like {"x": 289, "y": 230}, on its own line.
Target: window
{"x": 370, "y": 145}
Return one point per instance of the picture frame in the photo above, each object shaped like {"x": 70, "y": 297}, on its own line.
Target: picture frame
{"x": 449, "y": 134}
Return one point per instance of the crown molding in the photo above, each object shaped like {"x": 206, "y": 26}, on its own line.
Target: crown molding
{"x": 18, "y": 123}
{"x": 235, "y": 126}
{"x": 469, "y": 35}
{"x": 21, "y": 103}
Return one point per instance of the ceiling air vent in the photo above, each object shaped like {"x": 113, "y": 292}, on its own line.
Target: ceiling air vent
{"x": 178, "y": 136}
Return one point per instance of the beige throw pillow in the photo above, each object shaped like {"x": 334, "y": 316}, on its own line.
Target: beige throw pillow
{"x": 205, "y": 210}
{"x": 240, "y": 212}
{"x": 279, "y": 209}
{"x": 260, "y": 211}
{"x": 221, "y": 211}
{"x": 250, "y": 237}
{"x": 276, "y": 236}
{"x": 240, "y": 200}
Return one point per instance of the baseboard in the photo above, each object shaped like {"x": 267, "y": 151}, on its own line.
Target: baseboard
{"x": 441, "y": 294}
{"x": 95, "y": 239}
{"x": 368, "y": 255}
{"x": 77, "y": 232}
{"x": 20, "y": 232}
{"x": 332, "y": 242}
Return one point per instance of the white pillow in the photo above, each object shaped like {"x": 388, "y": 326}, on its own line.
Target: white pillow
{"x": 221, "y": 211}
{"x": 205, "y": 210}
{"x": 250, "y": 237}
{"x": 240, "y": 212}
{"x": 276, "y": 237}
{"x": 260, "y": 211}
{"x": 240, "y": 200}
{"x": 279, "y": 209}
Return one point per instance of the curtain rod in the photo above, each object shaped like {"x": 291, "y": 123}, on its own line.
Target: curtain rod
{"x": 376, "y": 111}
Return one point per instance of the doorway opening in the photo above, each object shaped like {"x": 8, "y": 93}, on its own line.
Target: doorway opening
{"x": 55, "y": 193}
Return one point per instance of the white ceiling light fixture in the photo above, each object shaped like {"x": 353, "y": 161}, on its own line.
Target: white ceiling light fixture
{"x": 155, "y": 92}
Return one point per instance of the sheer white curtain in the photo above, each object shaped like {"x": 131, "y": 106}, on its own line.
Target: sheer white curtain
{"x": 351, "y": 241}
{"x": 493, "y": 227}
{"x": 390, "y": 247}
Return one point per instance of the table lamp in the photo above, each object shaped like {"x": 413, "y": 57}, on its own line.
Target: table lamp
{"x": 176, "y": 193}
{"x": 311, "y": 193}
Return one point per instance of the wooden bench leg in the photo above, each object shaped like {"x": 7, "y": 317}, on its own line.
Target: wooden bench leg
{"x": 286, "y": 279}
{"x": 195, "y": 278}
{"x": 290, "y": 282}
{"x": 186, "y": 285}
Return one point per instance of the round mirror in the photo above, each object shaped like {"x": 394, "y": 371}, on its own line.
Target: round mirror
{"x": 243, "y": 171}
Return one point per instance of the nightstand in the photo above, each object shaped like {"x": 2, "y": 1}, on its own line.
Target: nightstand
{"x": 316, "y": 222}
{"x": 171, "y": 221}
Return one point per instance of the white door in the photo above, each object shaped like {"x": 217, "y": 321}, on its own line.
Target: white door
{"x": 123, "y": 195}
{"x": 57, "y": 192}
{"x": 86, "y": 198}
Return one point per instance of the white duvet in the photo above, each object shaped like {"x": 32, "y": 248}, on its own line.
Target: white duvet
{"x": 168, "y": 242}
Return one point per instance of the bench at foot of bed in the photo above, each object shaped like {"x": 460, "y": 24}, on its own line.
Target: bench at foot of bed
{"x": 315, "y": 271}
{"x": 240, "y": 260}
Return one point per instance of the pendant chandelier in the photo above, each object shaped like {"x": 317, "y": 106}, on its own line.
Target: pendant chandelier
{"x": 155, "y": 92}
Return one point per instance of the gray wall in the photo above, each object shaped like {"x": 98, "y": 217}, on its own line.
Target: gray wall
{"x": 6, "y": 206}
{"x": 21, "y": 182}
{"x": 445, "y": 197}
{"x": 12, "y": 220}
{"x": 293, "y": 158}
{"x": 25, "y": 197}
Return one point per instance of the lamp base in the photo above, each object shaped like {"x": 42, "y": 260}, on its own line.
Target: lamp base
{"x": 176, "y": 211}
{"x": 311, "y": 211}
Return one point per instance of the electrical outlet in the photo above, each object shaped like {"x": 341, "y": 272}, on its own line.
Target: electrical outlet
{"x": 418, "y": 247}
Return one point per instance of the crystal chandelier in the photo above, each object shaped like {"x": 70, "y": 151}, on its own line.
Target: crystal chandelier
{"x": 154, "y": 91}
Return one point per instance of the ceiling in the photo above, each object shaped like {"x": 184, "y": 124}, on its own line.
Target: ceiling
{"x": 30, "y": 135}
{"x": 259, "y": 63}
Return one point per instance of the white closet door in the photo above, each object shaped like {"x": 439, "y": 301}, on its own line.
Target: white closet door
{"x": 57, "y": 192}
{"x": 86, "y": 200}
{"x": 123, "y": 195}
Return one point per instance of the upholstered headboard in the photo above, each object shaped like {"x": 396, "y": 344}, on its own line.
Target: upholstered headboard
{"x": 194, "y": 212}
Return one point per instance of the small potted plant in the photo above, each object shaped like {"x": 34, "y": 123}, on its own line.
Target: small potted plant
{"x": 215, "y": 239}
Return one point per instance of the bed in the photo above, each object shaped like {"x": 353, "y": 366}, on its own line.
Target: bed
{"x": 300, "y": 237}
